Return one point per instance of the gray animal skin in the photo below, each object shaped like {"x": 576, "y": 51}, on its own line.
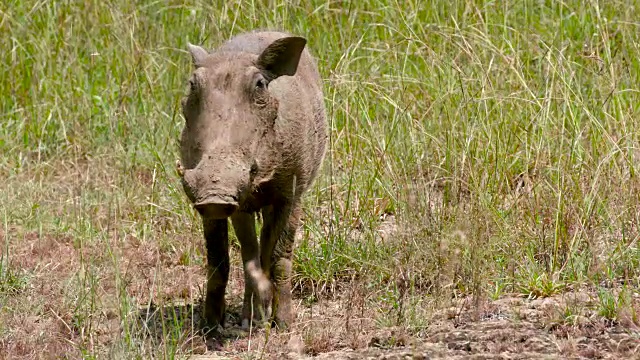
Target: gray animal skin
{"x": 254, "y": 139}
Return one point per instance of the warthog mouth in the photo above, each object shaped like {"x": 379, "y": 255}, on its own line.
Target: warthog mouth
{"x": 217, "y": 206}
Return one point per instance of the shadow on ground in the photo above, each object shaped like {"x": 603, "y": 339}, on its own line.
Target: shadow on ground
{"x": 186, "y": 321}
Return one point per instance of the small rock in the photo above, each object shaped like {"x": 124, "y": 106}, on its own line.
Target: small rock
{"x": 460, "y": 345}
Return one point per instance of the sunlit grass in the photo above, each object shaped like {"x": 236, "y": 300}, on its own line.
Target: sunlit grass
{"x": 477, "y": 149}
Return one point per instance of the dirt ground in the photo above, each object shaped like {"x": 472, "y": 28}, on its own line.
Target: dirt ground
{"x": 348, "y": 325}
{"x": 510, "y": 328}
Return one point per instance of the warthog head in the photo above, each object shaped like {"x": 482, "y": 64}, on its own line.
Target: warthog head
{"x": 229, "y": 141}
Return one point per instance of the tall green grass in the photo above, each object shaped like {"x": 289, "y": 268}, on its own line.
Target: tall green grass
{"x": 501, "y": 139}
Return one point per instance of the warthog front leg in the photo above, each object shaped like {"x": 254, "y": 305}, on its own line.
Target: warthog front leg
{"x": 217, "y": 242}
{"x": 280, "y": 226}
{"x": 257, "y": 288}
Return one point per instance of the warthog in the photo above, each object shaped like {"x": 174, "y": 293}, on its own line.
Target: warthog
{"x": 253, "y": 140}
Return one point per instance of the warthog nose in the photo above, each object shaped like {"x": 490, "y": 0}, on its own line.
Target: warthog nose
{"x": 216, "y": 207}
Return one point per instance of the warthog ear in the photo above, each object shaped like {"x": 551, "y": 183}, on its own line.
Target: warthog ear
{"x": 198, "y": 54}
{"x": 282, "y": 57}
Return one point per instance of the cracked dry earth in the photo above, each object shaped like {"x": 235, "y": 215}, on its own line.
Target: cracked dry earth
{"x": 510, "y": 328}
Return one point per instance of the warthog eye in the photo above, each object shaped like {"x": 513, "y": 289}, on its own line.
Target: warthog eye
{"x": 259, "y": 92}
{"x": 196, "y": 81}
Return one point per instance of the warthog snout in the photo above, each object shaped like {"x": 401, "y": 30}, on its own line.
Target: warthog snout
{"x": 217, "y": 207}
{"x": 212, "y": 196}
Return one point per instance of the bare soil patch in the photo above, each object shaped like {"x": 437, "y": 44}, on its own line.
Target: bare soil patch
{"x": 39, "y": 320}
{"x": 510, "y": 328}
